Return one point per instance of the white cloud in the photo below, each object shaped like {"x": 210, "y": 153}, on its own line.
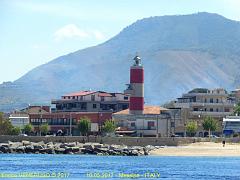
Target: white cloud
{"x": 72, "y": 31}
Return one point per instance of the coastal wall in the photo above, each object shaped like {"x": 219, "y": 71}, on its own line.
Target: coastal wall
{"x": 132, "y": 141}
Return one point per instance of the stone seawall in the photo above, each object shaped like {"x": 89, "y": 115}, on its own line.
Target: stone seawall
{"x": 129, "y": 141}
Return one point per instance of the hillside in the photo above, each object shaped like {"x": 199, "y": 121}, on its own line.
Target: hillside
{"x": 178, "y": 52}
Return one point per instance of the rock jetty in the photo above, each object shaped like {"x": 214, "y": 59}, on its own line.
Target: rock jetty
{"x": 73, "y": 148}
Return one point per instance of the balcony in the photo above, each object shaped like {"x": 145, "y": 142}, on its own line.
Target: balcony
{"x": 206, "y": 94}
{"x": 209, "y": 113}
{"x": 201, "y": 104}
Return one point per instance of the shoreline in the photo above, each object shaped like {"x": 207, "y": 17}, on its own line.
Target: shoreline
{"x": 199, "y": 149}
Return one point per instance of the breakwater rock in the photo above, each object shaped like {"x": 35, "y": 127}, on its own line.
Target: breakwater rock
{"x": 73, "y": 148}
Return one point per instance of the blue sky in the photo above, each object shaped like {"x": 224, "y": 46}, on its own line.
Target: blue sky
{"x": 34, "y": 32}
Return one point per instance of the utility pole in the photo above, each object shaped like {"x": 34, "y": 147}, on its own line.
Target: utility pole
{"x": 70, "y": 128}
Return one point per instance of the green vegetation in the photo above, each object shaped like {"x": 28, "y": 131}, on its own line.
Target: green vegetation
{"x": 27, "y": 129}
{"x": 6, "y": 128}
{"x": 237, "y": 109}
{"x": 16, "y": 131}
{"x": 109, "y": 126}
{"x": 191, "y": 128}
{"x": 84, "y": 126}
{"x": 44, "y": 128}
{"x": 210, "y": 124}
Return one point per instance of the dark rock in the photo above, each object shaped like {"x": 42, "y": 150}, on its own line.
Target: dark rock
{"x": 88, "y": 151}
{"x": 145, "y": 151}
{"x": 29, "y": 149}
{"x": 72, "y": 144}
{"x": 50, "y": 151}
{"x": 63, "y": 145}
{"x": 133, "y": 153}
{"x": 60, "y": 151}
{"x": 20, "y": 149}
{"x": 5, "y": 149}
{"x": 88, "y": 146}
{"x": 38, "y": 147}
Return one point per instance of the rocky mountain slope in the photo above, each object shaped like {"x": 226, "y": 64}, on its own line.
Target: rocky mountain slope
{"x": 178, "y": 53}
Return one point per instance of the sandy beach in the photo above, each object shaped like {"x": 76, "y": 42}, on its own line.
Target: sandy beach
{"x": 199, "y": 149}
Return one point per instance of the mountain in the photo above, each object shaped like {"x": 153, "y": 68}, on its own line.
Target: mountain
{"x": 178, "y": 53}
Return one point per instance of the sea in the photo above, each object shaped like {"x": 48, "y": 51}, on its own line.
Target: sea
{"x": 47, "y": 166}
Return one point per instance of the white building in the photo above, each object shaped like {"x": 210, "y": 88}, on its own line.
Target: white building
{"x": 231, "y": 125}
{"x": 19, "y": 119}
{"x": 153, "y": 122}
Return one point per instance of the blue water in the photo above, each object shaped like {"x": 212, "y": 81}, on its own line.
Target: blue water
{"x": 111, "y": 167}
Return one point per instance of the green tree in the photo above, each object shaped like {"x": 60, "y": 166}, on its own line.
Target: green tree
{"x": 84, "y": 125}
{"x": 44, "y": 128}
{"x": 237, "y": 109}
{"x": 191, "y": 128}
{"x": 210, "y": 124}
{"x": 109, "y": 126}
{"x": 27, "y": 128}
{"x": 5, "y": 125}
{"x": 15, "y": 131}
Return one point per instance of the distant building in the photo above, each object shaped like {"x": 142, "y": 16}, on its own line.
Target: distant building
{"x": 92, "y": 101}
{"x": 98, "y": 106}
{"x": 19, "y": 119}
{"x": 231, "y": 125}
{"x": 204, "y": 102}
{"x": 200, "y": 103}
{"x": 153, "y": 122}
{"x": 67, "y": 121}
{"x": 235, "y": 95}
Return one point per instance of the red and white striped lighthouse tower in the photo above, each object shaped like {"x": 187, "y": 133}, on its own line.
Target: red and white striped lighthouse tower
{"x": 136, "y": 87}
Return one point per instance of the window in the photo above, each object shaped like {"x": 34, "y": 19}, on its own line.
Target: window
{"x": 84, "y": 106}
{"x": 205, "y": 100}
{"x": 125, "y": 106}
{"x": 73, "y": 97}
{"x": 216, "y": 100}
{"x": 102, "y": 98}
{"x": 195, "y": 109}
{"x": 133, "y": 124}
{"x": 211, "y": 109}
{"x": 125, "y": 98}
{"x": 150, "y": 125}
{"x": 227, "y": 110}
{"x": 94, "y": 106}
{"x": 217, "y": 110}
{"x": 211, "y": 100}
{"x": 92, "y": 97}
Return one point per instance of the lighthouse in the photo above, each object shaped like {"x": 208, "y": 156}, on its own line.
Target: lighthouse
{"x": 136, "y": 87}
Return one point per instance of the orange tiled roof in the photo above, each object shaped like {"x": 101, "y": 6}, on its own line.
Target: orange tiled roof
{"x": 147, "y": 110}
